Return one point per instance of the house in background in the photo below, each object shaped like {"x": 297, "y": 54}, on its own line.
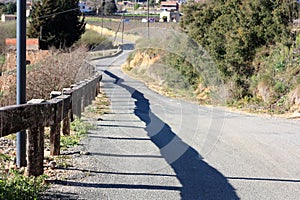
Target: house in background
{"x": 5, "y": 18}
{"x": 169, "y": 6}
{"x": 169, "y": 16}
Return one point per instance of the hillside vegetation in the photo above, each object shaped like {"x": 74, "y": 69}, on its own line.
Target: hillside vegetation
{"x": 253, "y": 47}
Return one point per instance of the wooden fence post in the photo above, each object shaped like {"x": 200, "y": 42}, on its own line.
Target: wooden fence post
{"x": 66, "y": 120}
{"x": 55, "y": 129}
{"x": 35, "y": 142}
{"x": 66, "y": 124}
{"x": 35, "y": 150}
{"x": 55, "y": 139}
{"x": 98, "y": 88}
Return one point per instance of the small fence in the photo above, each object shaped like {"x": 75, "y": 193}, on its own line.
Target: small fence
{"x": 38, "y": 114}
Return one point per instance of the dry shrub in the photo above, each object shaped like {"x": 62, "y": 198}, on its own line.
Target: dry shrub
{"x": 55, "y": 72}
{"x": 8, "y": 89}
{"x": 294, "y": 98}
{"x": 33, "y": 57}
{"x": 264, "y": 90}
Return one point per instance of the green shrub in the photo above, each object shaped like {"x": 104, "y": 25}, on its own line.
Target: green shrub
{"x": 279, "y": 87}
{"x": 136, "y": 6}
{"x": 19, "y": 187}
{"x": 91, "y": 39}
{"x": 80, "y": 128}
{"x": 2, "y": 59}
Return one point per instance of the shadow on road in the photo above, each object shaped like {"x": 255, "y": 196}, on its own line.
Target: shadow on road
{"x": 55, "y": 196}
{"x": 199, "y": 180}
{"x": 128, "y": 46}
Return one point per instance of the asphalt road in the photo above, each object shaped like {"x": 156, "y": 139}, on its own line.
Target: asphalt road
{"x": 153, "y": 147}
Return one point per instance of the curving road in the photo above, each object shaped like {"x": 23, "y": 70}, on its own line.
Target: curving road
{"x": 153, "y": 147}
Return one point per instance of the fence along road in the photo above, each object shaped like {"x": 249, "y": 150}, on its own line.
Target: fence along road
{"x": 154, "y": 147}
{"x": 37, "y": 114}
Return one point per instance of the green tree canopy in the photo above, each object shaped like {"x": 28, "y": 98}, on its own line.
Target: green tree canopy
{"x": 56, "y": 23}
{"x": 8, "y": 8}
{"x": 233, "y": 30}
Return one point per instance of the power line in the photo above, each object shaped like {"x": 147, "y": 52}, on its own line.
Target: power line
{"x": 57, "y": 13}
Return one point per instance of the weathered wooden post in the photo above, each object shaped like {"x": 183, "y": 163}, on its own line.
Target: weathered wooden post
{"x": 66, "y": 112}
{"x": 35, "y": 141}
{"x": 92, "y": 91}
{"x": 98, "y": 88}
{"x": 82, "y": 96}
{"x": 76, "y": 100}
{"x": 87, "y": 93}
{"x": 35, "y": 150}
{"x": 55, "y": 127}
{"x": 99, "y": 85}
{"x": 66, "y": 124}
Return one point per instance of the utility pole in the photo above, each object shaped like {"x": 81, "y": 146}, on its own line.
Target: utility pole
{"x": 21, "y": 76}
{"x": 148, "y": 17}
{"x": 102, "y": 7}
{"x": 123, "y": 20}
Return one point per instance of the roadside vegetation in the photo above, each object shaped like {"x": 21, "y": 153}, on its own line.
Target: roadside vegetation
{"x": 92, "y": 39}
{"x": 172, "y": 72}
{"x": 14, "y": 185}
{"x": 79, "y": 130}
{"x": 253, "y": 46}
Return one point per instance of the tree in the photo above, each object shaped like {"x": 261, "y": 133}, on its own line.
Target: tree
{"x": 110, "y": 7}
{"x": 56, "y": 23}
{"x": 11, "y": 8}
{"x": 8, "y": 8}
{"x": 136, "y": 6}
{"x": 152, "y": 3}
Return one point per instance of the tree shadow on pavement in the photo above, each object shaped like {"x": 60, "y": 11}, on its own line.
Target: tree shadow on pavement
{"x": 199, "y": 180}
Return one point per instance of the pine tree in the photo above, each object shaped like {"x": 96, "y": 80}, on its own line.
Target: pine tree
{"x": 56, "y": 23}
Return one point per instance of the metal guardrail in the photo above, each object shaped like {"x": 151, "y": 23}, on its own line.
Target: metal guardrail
{"x": 37, "y": 114}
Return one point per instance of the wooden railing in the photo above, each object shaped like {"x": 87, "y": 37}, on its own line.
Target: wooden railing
{"x": 38, "y": 114}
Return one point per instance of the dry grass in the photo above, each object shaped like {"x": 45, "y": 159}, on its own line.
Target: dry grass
{"x": 7, "y": 30}
{"x": 159, "y": 77}
{"x": 130, "y": 27}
